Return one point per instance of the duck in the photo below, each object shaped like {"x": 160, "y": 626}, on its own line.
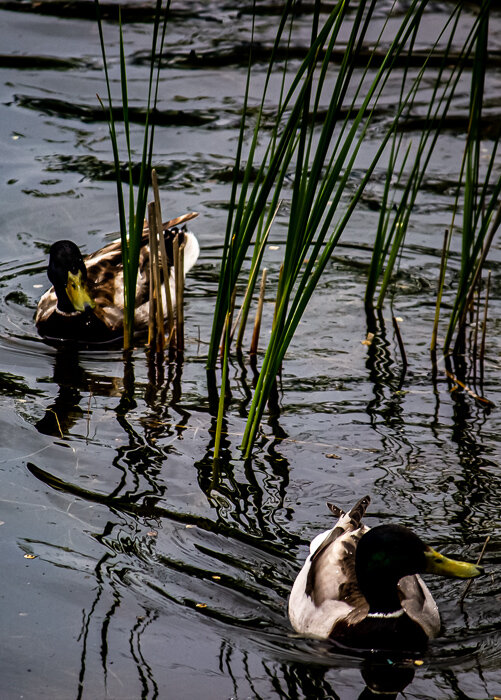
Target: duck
{"x": 86, "y": 301}
{"x": 361, "y": 587}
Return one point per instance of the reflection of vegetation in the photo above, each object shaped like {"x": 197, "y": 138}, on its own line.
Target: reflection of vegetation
{"x": 148, "y": 505}
{"x": 232, "y": 568}
{"x": 105, "y": 577}
{"x": 315, "y": 676}
{"x": 15, "y": 386}
{"x": 88, "y": 113}
{"x": 244, "y": 523}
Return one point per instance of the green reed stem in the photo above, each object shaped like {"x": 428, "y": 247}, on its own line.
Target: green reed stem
{"x": 132, "y": 234}
{"x": 222, "y": 393}
{"x": 315, "y": 201}
{"x": 481, "y": 217}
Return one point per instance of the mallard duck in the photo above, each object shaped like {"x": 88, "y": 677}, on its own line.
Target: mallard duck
{"x": 361, "y": 587}
{"x": 86, "y": 302}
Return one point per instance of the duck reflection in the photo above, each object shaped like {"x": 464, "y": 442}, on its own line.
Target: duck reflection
{"x": 385, "y": 680}
{"x": 60, "y": 416}
{"x": 327, "y": 676}
{"x": 72, "y": 381}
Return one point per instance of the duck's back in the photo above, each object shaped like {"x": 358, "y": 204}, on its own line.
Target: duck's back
{"x": 326, "y": 590}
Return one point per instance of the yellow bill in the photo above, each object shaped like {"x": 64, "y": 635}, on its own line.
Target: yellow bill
{"x": 436, "y": 563}
{"x": 77, "y": 292}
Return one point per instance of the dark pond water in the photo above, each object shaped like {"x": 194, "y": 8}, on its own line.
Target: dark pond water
{"x": 131, "y": 567}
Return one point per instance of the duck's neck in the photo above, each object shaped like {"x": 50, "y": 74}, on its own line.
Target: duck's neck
{"x": 63, "y": 303}
{"x": 382, "y": 596}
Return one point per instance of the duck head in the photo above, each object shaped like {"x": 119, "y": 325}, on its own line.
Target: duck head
{"x": 68, "y": 274}
{"x": 387, "y": 553}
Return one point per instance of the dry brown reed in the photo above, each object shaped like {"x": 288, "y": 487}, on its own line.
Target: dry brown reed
{"x": 259, "y": 314}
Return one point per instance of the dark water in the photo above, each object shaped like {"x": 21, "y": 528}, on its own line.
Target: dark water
{"x": 155, "y": 574}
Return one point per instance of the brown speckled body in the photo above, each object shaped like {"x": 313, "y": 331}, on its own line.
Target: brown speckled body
{"x": 104, "y": 323}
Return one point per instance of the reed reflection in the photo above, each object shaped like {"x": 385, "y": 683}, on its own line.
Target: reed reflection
{"x": 99, "y": 619}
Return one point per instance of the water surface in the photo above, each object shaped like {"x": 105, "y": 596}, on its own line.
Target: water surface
{"x": 132, "y": 566}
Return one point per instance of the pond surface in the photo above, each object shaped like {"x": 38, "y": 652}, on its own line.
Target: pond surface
{"x": 131, "y": 566}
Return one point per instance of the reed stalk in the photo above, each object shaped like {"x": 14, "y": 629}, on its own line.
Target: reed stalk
{"x": 484, "y": 328}
{"x": 259, "y": 314}
{"x": 151, "y": 307}
{"x": 481, "y": 191}
{"x": 470, "y": 582}
{"x": 440, "y": 289}
{"x": 320, "y": 163}
{"x": 178, "y": 254}
{"x": 395, "y": 216}
{"x": 163, "y": 257}
{"x": 131, "y": 231}
{"x": 258, "y": 257}
{"x": 222, "y": 394}
{"x": 474, "y": 334}
{"x": 154, "y": 262}
{"x": 319, "y": 185}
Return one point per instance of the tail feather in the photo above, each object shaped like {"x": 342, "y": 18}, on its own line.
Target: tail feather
{"x": 337, "y": 512}
{"x": 358, "y": 511}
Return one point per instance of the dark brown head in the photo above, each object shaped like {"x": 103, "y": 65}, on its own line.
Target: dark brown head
{"x": 68, "y": 274}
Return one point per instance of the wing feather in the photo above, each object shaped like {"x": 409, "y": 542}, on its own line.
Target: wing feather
{"x": 419, "y": 605}
{"x": 326, "y": 590}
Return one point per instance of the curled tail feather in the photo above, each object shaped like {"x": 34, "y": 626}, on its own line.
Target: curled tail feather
{"x": 358, "y": 510}
{"x": 337, "y": 512}
{"x": 356, "y": 513}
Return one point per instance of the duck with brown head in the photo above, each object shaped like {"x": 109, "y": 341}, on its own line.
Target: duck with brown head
{"x": 86, "y": 302}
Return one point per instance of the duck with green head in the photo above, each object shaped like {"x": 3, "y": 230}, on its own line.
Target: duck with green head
{"x": 361, "y": 587}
